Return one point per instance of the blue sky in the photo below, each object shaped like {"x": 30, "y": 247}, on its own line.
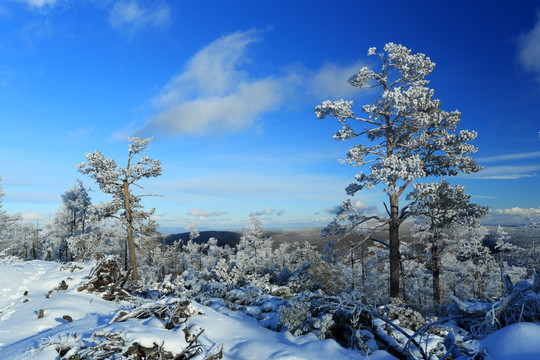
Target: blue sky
{"x": 228, "y": 89}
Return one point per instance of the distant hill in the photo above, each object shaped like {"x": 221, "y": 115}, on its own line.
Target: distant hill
{"x": 521, "y": 236}
{"x": 231, "y": 238}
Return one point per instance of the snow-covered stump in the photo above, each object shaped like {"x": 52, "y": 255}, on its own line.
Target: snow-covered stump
{"x": 107, "y": 278}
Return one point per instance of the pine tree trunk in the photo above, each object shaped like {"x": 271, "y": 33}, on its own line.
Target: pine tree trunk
{"x": 34, "y": 247}
{"x": 131, "y": 243}
{"x": 363, "y": 266}
{"x": 436, "y": 273}
{"x": 83, "y": 220}
{"x": 502, "y": 269}
{"x": 395, "y": 256}
{"x": 352, "y": 262}
{"x": 479, "y": 279}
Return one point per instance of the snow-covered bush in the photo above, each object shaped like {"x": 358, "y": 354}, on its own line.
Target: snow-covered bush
{"x": 296, "y": 315}
{"x": 405, "y": 316}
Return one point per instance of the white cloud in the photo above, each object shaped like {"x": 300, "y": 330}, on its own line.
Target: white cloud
{"x": 529, "y": 50}
{"x": 358, "y": 204}
{"x": 39, "y": 3}
{"x": 268, "y": 212}
{"x": 330, "y": 81}
{"x": 131, "y": 14}
{"x": 506, "y": 172}
{"x": 200, "y": 212}
{"x": 510, "y": 217}
{"x": 484, "y": 197}
{"x": 213, "y": 94}
{"x": 506, "y": 157}
{"x": 516, "y": 211}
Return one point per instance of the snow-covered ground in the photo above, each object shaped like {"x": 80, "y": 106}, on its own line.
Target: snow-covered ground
{"x": 23, "y": 292}
{"x": 519, "y": 341}
{"x": 71, "y": 317}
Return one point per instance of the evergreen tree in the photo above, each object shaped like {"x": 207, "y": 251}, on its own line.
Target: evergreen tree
{"x": 412, "y": 137}
{"x": 118, "y": 182}
{"x": 440, "y": 206}
{"x": 254, "y": 251}
{"x": 503, "y": 246}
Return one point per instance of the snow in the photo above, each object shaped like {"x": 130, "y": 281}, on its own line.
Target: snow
{"x": 520, "y": 341}
{"x": 25, "y": 336}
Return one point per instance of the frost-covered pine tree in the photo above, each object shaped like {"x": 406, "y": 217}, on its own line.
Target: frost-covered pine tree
{"x": 118, "y": 182}
{"x": 532, "y": 222}
{"x": 411, "y": 137}
{"x": 503, "y": 246}
{"x": 4, "y": 223}
{"x": 193, "y": 249}
{"x": 70, "y": 220}
{"x": 3, "y": 216}
{"x": 254, "y": 250}
{"x": 475, "y": 258}
{"x": 350, "y": 222}
{"x": 15, "y": 236}
{"x": 214, "y": 253}
{"x": 441, "y": 206}
{"x": 2, "y": 212}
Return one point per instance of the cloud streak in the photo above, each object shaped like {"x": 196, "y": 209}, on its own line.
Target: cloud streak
{"x": 213, "y": 94}
{"x": 200, "y": 212}
{"x": 39, "y": 3}
{"x": 330, "y": 81}
{"x": 268, "y": 212}
{"x": 131, "y": 15}
{"x": 529, "y": 50}
{"x": 506, "y": 157}
{"x": 507, "y": 172}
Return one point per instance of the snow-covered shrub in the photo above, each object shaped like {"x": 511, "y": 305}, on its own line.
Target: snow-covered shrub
{"x": 221, "y": 271}
{"x": 167, "y": 286}
{"x": 296, "y": 315}
{"x": 400, "y": 311}
{"x": 324, "y": 324}
{"x": 8, "y": 260}
{"x": 300, "y": 278}
{"x": 245, "y": 296}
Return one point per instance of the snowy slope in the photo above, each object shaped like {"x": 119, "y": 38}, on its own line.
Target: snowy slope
{"x": 27, "y": 287}
{"x": 519, "y": 341}
{"x": 25, "y": 336}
